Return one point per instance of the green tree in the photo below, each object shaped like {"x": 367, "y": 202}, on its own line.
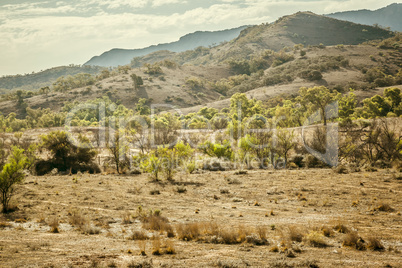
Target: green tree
{"x": 64, "y": 154}
{"x": 137, "y": 80}
{"x": 318, "y": 98}
{"x": 11, "y": 175}
{"x": 394, "y": 95}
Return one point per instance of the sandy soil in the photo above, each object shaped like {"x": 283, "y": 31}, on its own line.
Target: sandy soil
{"x": 304, "y": 199}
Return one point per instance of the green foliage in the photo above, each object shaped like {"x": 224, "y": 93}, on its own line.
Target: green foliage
{"x": 241, "y": 106}
{"x": 118, "y": 147}
{"x": 152, "y": 165}
{"x": 239, "y": 66}
{"x": 311, "y": 75}
{"x": 142, "y": 108}
{"x": 152, "y": 69}
{"x": 137, "y": 80}
{"x": 318, "y": 98}
{"x": 64, "y": 154}
{"x": 195, "y": 83}
{"x": 64, "y": 84}
{"x": 11, "y": 175}
{"x": 223, "y": 150}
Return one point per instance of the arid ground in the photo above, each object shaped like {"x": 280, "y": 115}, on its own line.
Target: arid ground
{"x": 270, "y": 218}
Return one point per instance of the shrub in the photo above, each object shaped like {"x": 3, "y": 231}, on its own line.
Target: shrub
{"x": 138, "y": 235}
{"x": 11, "y": 175}
{"x": 295, "y": 234}
{"x": 374, "y": 244}
{"x": 353, "y": 240}
{"x": 66, "y": 156}
{"x": 316, "y": 239}
{"x": 188, "y": 231}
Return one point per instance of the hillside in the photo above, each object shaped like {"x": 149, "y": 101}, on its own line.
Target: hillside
{"x": 389, "y": 16}
{"x": 44, "y": 78}
{"x": 117, "y": 57}
{"x": 304, "y": 28}
{"x": 210, "y": 76}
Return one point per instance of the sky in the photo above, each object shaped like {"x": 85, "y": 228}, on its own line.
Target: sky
{"x": 37, "y": 35}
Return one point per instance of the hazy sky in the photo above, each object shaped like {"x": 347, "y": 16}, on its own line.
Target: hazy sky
{"x": 36, "y": 35}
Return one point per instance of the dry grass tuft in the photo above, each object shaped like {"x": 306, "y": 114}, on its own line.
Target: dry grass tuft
{"x": 341, "y": 228}
{"x": 138, "y": 235}
{"x": 156, "y": 246}
{"x": 316, "y": 239}
{"x": 188, "y": 232}
{"x": 54, "y": 225}
{"x": 353, "y": 240}
{"x": 141, "y": 264}
{"x": 384, "y": 207}
{"x": 295, "y": 234}
{"x": 77, "y": 219}
{"x": 142, "y": 245}
{"x": 4, "y": 224}
{"x": 156, "y": 222}
{"x": 170, "y": 247}
{"x": 374, "y": 243}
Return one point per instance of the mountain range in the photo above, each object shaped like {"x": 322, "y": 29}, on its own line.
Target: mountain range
{"x": 389, "y": 16}
{"x": 116, "y": 57}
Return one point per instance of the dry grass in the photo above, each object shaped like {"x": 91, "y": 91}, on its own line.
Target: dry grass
{"x": 77, "y": 219}
{"x": 54, "y": 225}
{"x": 156, "y": 246}
{"x": 90, "y": 229}
{"x": 157, "y": 222}
{"x": 188, "y": 232}
{"x": 374, "y": 243}
{"x": 295, "y": 234}
{"x": 138, "y": 235}
{"x": 316, "y": 239}
{"x": 353, "y": 240}
{"x": 216, "y": 230}
{"x": 170, "y": 249}
{"x": 384, "y": 207}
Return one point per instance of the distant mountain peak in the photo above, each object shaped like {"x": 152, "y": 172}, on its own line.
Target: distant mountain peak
{"x": 115, "y": 57}
{"x": 389, "y": 16}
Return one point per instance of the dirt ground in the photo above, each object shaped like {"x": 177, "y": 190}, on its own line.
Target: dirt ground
{"x": 279, "y": 201}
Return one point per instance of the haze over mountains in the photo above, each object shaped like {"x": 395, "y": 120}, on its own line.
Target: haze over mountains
{"x": 387, "y": 17}
{"x": 116, "y": 57}
{"x": 390, "y": 16}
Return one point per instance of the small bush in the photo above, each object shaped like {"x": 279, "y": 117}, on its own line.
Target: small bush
{"x": 77, "y": 219}
{"x": 316, "y": 239}
{"x": 341, "y": 228}
{"x": 54, "y": 225}
{"x": 90, "y": 229}
{"x": 156, "y": 222}
{"x": 181, "y": 189}
{"x": 156, "y": 246}
{"x": 353, "y": 240}
{"x": 384, "y": 207}
{"x": 138, "y": 235}
{"x": 295, "y": 234}
{"x": 188, "y": 232}
{"x": 374, "y": 244}
{"x": 141, "y": 264}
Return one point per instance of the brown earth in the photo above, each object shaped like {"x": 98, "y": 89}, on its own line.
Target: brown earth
{"x": 304, "y": 199}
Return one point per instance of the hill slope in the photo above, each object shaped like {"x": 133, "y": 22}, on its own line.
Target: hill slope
{"x": 44, "y": 78}
{"x": 301, "y": 28}
{"x": 117, "y": 57}
{"x": 389, "y": 16}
